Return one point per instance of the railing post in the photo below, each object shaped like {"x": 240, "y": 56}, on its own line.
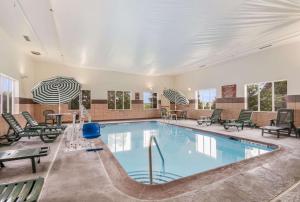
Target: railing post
{"x": 150, "y": 160}
{"x": 152, "y": 138}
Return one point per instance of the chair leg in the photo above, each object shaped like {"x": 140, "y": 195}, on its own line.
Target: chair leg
{"x": 278, "y": 134}
{"x": 262, "y": 132}
{"x": 33, "y": 165}
{"x": 2, "y": 165}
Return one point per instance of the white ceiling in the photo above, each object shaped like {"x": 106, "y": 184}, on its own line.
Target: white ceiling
{"x": 152, "y": 37}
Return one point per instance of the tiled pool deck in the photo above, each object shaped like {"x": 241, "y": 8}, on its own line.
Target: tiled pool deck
{"x": 86, "y": 176}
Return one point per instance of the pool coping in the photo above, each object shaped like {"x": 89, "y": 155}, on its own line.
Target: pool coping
{"x": 120, "y": 179}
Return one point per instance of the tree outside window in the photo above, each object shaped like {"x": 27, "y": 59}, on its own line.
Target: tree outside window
{"x": 206, "y": 99}
{"x": 119, "y": 99}
{"x": 150, "y": 100}
{"x": 266, "y": 96}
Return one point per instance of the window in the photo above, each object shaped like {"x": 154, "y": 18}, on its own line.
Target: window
{"x": 266, "y": 96}
{"x": 119, "y": 99}
{"x": 205, "y": 99}
{"x": 8, "y": 90}
{"x": 150, "y": 100}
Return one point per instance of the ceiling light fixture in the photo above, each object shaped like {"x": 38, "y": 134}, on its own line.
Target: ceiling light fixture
{"x": 26, "y": 38}
{"x": 35, "y": 53}
{"x": 266, "y": 46}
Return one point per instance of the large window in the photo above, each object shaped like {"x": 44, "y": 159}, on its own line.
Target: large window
{"x": 150, "y": 100}
{"x": 205, "y": 99}
{"x": 266, "y": 96}
{"x": 8, "y": 88}
{"x": 119, "y": 99}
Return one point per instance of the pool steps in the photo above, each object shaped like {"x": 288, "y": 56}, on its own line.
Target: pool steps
{"x": 159, "y": 177}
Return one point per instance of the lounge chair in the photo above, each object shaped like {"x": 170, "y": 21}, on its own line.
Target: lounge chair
{"x": 28, "y": 190}
{"x": 284, "y": 123}
{"x": 243, "y": 120}
{"x": 19, "y": 132}
{"x": 33, "y": 124}
{"x": 32, "y": 154}
{"x": 214, "y": 118}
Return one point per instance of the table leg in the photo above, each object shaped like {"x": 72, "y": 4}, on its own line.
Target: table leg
{"x": 58, "y": 120}
{"x": 33, "y": 165}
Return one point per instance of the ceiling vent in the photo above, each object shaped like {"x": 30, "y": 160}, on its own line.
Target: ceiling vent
{"x": 35, "y": 53}
{"x": 26, "y": 38}
{"x": 202, "y": 66}
{"x": 266, "y": 46}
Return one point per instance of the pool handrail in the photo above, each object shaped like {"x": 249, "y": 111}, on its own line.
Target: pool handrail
{"x": 153, "y": 138}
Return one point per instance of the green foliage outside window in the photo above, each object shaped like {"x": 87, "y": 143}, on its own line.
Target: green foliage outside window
{"x": 111, "y": 99}
{"x": 150, "y": 100}
{"x": 280, "y": 91}
{"x": 126, "y": 100}
{"x": 260, "y": 96}
{"x": 119, "y": 99}
{"x": 252, "y": 97}
{"x": 266, "y": 96}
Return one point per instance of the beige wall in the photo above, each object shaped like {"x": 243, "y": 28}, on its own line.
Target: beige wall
{"x": 271, "y": 64}
{"x": 99, "y": 81}
{"x": 16, "y": 64}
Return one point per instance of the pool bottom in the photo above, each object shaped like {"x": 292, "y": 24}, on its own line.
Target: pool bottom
{"x": 127, "y": 185}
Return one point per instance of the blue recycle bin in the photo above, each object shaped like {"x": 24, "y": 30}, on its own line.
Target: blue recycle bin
{"x": 91, "y": 130}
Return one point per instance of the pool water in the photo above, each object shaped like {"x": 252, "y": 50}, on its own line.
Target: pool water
{"x": 185, "y": 151}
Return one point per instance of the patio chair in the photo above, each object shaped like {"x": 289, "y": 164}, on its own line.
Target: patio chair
{"x": 19, "y": 132}
{"x": 165, "y": 114}
{"x": 243, "y": 120}
{"x": 49, "y": 117}
{"x": 283, "y": 124}
{"x": 214, "y": 118}
{"x": 33, "y": 124}
{"x": 28, "y": 190}
{"x": 33, "y": 154}
{"x": 183, "y": 114}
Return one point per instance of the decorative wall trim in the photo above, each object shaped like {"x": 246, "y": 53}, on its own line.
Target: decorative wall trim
{"x": 21, "y": 100}
{"x": 230, "y": 100}
{"x": 137, "y": 102}
{"x": 293, "y": 98}
{"x": 99, "y": 101}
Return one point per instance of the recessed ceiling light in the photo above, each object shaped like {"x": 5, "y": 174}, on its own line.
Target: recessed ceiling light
{"x": 26, "y": 38}
{"x": 35, "y": 53}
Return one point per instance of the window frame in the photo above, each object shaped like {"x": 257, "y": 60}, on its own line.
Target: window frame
{"x": 115, "y": 96}
{"x": 14, "y": 88}
{"x": 210, "y": 103}
{"x": 152, "y": 108}
{"x": 259, "y": 92}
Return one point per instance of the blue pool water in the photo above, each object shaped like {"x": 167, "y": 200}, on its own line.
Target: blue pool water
{"x": 186, "y": 151}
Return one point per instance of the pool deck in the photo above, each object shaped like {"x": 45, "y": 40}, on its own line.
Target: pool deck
{"x": 85, "y": 176}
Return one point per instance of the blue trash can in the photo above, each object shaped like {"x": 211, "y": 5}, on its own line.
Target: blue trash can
{"x": 91, "y": 130}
